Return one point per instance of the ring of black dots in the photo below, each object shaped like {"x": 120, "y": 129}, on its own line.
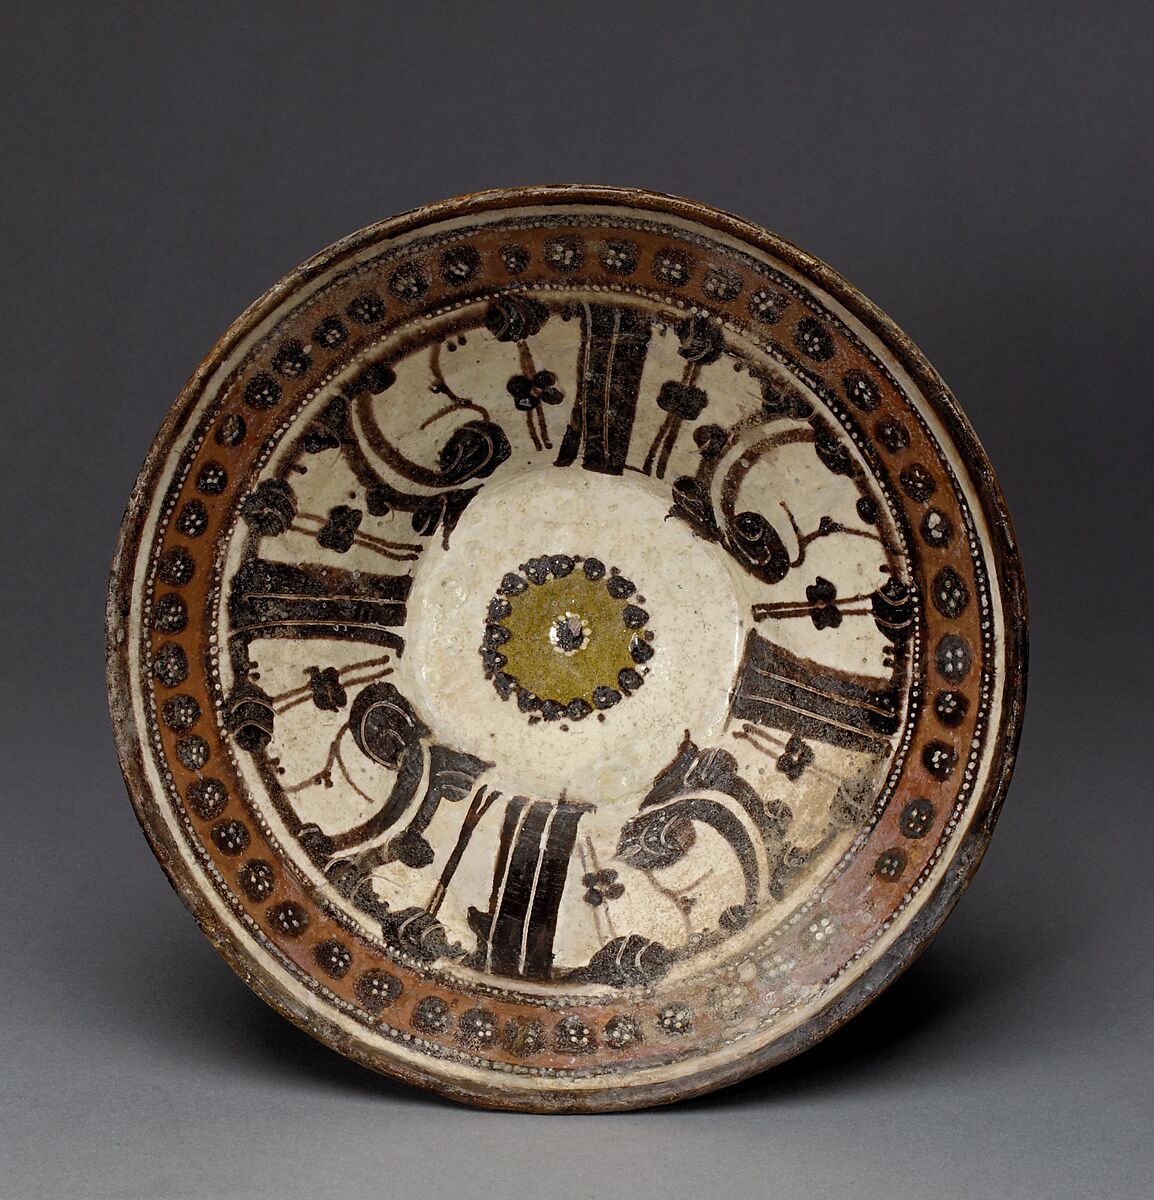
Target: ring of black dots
{"x": 536, "y": 572}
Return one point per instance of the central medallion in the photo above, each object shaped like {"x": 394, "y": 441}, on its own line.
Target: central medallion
{"x": 567, "y": 636}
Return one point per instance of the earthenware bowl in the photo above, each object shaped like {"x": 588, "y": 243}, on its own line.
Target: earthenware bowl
{"x": 567, "y": 648}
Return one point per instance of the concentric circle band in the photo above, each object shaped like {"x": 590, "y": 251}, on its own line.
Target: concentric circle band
{"x": 567, "y": 648}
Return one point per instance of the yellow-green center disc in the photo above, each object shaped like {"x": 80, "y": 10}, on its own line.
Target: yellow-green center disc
{"x": 545, "y": 669}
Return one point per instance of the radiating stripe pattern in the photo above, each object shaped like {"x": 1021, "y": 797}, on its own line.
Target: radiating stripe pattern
{"x": 274, "y": 599}
{"x": 614, "y": 343}
{"x": 778, "y": 689}
{"x": 515, "y": 937}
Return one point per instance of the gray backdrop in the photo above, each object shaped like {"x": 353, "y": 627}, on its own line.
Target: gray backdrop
{"x": 982, "y": 171}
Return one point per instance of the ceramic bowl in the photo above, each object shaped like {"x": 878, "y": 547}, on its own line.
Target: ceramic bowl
{"x": 567, "y": 648}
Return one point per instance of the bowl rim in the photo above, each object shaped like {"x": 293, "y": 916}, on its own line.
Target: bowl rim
{"x": 1007, "y": 578}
